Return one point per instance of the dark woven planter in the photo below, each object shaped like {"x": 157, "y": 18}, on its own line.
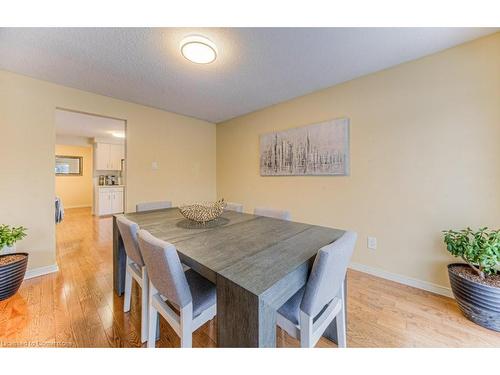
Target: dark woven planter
{"x": 12, "y": 276}
{"x": 479, "y": 303}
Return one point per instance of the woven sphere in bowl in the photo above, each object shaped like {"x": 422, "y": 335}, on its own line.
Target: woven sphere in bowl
{"x": 202, "y": 213}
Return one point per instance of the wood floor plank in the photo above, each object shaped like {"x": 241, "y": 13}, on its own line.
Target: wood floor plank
{"x": 76, "y": 307}
{"x": 47, "y": 332}
{"x": 64, "y": 332}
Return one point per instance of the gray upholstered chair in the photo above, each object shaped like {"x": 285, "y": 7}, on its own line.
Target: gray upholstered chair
{"x": 231, "y": 206}
{"x": 271, "y": 212}
{"x": 135, "y": 269}
{"x": 185, "y": 299}
{"x": 151, "y": 206}
{"x": 309, "y": 312}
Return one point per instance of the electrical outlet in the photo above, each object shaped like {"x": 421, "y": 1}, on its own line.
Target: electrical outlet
{"x": 371, "y": 243}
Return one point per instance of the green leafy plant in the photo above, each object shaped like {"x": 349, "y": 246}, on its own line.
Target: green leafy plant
{"x": 10, "y": 235}
{"x": 479, "y": 249}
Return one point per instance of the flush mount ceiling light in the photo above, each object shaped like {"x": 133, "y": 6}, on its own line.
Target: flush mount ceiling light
{"x": 198, "y": 49}
{"x": 118, "y": 134}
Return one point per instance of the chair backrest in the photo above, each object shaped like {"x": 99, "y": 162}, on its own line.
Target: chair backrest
{"x": 271, "y": 212}
{"x": 128, "y": 230}
{"x": 165, "y": 269}
{"x": 327, "y": 274}
{"x": 150, "y": 206}
{"x": 231, "y": 206}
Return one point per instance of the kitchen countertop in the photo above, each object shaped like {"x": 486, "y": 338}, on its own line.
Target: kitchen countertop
{"x": 109, "y": 186}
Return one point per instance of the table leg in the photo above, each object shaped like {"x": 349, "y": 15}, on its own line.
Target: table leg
{"x": 331, "y": 331}
{"x": 119, "y": 260}
{"x": 243, "y": 319}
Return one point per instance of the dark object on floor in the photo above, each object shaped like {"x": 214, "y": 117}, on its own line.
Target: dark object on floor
{"x": 478, "y": 299}
{"x": 12, "y": 271}
{"x": 59, "y": 210}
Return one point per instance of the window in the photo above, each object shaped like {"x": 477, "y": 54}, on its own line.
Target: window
{"x": 69, "y": 165}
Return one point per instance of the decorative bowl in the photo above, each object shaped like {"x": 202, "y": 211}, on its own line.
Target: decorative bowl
{"x": 202, "y": 213}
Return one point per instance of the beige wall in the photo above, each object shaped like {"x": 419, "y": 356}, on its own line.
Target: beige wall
{"x": 183, "y": 147}
{"x": 76, "y": 191}
{"x": 424, "y": 157}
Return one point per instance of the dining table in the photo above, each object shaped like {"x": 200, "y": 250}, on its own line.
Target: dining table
{"x": 257, "y": 263}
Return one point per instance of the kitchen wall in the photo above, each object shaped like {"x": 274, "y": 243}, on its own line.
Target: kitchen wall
{"x": 424, "y": 157}
{"x": 183, "y": 147}
{"x": 73, "y": 140}
{"x": 76, "y": 191}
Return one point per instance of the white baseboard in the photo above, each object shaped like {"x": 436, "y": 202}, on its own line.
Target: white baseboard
{"x": 40, "y": 271}
{"x": 82, "y": 206}
{"x": 420, "y": 284}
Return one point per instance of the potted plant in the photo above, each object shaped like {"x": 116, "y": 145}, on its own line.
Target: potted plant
{"x": 476, "y": 283}
{"x": 12, "y": 264}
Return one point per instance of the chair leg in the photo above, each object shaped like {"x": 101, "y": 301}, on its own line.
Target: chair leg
{"x": 341, "y": 329}
{"x": 153, "y": 320}
{"x": 306, "y": 331}
{"x": 144, "y": 305}
{"x": 187, "y": 326}
{"x": 157, "y": 329}
{"x": 128, "y": 291}
{"x": 341, "y": 320}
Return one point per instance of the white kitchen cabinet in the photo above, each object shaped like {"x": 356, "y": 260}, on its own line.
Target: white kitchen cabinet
{"x": 117, "y": 153}
{"x": 109, "y": 200}
{"x": 108, "y": 156}
{"x": 104, "y": 202}
{"x": 102, "y": 156}
{"x": 117, "y": 201}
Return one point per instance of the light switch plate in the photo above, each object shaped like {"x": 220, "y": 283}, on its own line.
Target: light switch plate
{"x": 371, "y": 243}
{"x": 154, "y": 165}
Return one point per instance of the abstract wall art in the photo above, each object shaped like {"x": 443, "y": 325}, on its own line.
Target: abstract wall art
{"x": 320, "y": 149}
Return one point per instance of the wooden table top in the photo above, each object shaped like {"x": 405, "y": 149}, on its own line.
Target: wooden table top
{"x": 254, "y": 252}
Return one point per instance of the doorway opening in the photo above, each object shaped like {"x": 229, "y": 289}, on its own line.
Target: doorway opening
{"x": 90, "y": 164}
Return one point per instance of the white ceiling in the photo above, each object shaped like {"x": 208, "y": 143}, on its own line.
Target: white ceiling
{"x": 255, "y": 68}
{"x": 88, "y": 126}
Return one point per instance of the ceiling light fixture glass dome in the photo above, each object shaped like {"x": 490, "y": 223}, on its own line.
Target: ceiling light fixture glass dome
{"x": 118, "y": 133}
{"x": 198, "y": 49}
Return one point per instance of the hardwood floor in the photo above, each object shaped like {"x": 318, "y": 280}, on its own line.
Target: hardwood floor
{"x": 76, "y": 307}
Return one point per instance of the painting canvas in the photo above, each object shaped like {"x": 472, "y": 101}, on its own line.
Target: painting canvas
{"x": 314, "y": 150}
